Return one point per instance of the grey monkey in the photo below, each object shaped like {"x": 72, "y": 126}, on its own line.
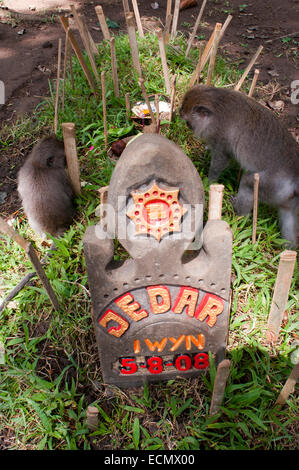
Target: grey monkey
{"x": 234, "y": 125}
{"x": 45, "y": 189}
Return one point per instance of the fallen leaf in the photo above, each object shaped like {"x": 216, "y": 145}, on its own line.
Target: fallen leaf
{"x": 276, "y": 105}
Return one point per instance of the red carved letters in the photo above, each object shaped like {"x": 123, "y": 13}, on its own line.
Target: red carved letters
{"x": 159, "y": 300}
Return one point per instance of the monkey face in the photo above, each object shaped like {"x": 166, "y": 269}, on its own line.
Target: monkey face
{"x": 56, "y": 158}
{"x": 197, "y": 113}
{"x": 198, "y": 119}
{"x": 49, "y": 153}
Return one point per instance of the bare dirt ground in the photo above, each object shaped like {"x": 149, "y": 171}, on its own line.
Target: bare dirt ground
{"x": 29, "y": 32}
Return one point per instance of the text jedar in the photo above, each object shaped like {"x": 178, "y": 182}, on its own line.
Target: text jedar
{"x": 159, "y": 298}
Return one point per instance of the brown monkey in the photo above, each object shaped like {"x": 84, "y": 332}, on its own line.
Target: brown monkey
{"x": 234, "y": 125}
{"x": 45, "y": 188}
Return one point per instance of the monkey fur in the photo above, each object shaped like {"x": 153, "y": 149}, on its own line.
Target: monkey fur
{"x": 234, "y": 125}
{"x": 45, "y": 189}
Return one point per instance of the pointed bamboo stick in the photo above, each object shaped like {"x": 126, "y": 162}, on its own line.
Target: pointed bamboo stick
{"x": 215, "y": 201}
{"x": 128, "y": 110}
{"x": 66, "y": 49}
{"x": 92, "y": 418}
{"x": 84, "y": 35}
{"x": 255, "y": 205}
{"x": 103, "y": 23}
{"x": 202, "y": 59}
{"x": 92, "y": 45}
{"x": 175, "y": 18}
{"x": 104, "y": 107}
{"x": 133, "y": 42}
{"x": 145, "y": 96}
{"x": 114, "y": 67}
{"x": 219, "y": 386}
{"x": 168, "y": 19}
{"x": 157, "y": 112}
{"x": 79, "y": 55}
{"x": 281, "y": 293}
{"x": 172, "y": 100}
{"x": 168, "y": 9}
{"x": 57, "y": 87}
{"x": 288, "y": 387}
{"x": 164, "y": 60}
{"x": 85, "y": 40}
{"x": 207, "y": 51}
{"x": 213, "y": 54}
{"x": 197, "y": 22}
{"x": 69, "y": 138}
{"x": 32, "y": 255}
{"x": 137, "y": 16}
{"x": 166, "y": 29}
{"x": 126, "y": 6}
{"x": 254, "y": 81}
{"x": 248, "y": 68}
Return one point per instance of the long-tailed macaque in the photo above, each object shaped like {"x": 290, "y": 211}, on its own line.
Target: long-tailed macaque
{"x": 45, "y": 189}
{"x": 234, "y": 125}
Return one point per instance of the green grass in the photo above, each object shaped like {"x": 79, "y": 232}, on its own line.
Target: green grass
{"x": 50, "y": 371}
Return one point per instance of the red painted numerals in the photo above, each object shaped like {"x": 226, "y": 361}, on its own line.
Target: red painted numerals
{"x": 156, "y": 365}
{"x": 128, "y": 365}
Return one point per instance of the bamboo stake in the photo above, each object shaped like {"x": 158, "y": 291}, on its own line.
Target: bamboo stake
{"x": 168, "y": 19}
{"x": 104, "y": 107}
{"x": 57, "y": 87}
{"x": 166, "y": 29}
{"x": 164, "y": 60}
{"x": 92, "y": 418}
{"x": 84, "y": 33}
{"x": 92, "y": 44}
{"x": 289, "y": 386}
{"x": 16, "y": 290}
{"x": 168, "y": 9}
{"x": 248, "y": 68}
{"x": 145, "y": 96}
{"x": 281, "y": 293}
{"x": 128, "y": 110}
{"x": 114, "y": 67}
{"x": 202, "y": 60}
{"x": 255, "y": 204}
{"x": 126, "y": 6}
{"x": 103, "y": 192}
{"x": 207, "y": 51}
{"x": 219, "y": 386}
{"x": 175, "y": 18}
{"x": 69, "y": 138}
{"x": 173, "y": 89}
{"x": 213, "y": 54}
{"x": 84, "y": 36}
{"x": 79, "y": 55}
{"x": 254, "y": 80}
{"x": 103, "y": 23}
{"x": 157, "y": 113}
{"x": 66, "y": 48}
{"x": 13, "y": 234}
{"x": 133, "y": 42}
{"x": 225, "y": 25}
{"x": 137, "y": 16}
{"x": 70, "y": 55}
{"x": 30, "y": 252}
{"x": 195, "y": 27}
{"x": 215, "y": 201}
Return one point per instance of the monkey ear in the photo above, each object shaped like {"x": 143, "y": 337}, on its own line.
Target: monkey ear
{"x": 50, "y": 161}
{"x": 202, "y": 111}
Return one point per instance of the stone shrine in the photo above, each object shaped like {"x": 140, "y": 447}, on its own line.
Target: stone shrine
{"x": 160, "y": 312}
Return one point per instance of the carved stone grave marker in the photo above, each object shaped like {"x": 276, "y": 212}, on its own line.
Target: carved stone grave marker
{"x": 159, "y": 313}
